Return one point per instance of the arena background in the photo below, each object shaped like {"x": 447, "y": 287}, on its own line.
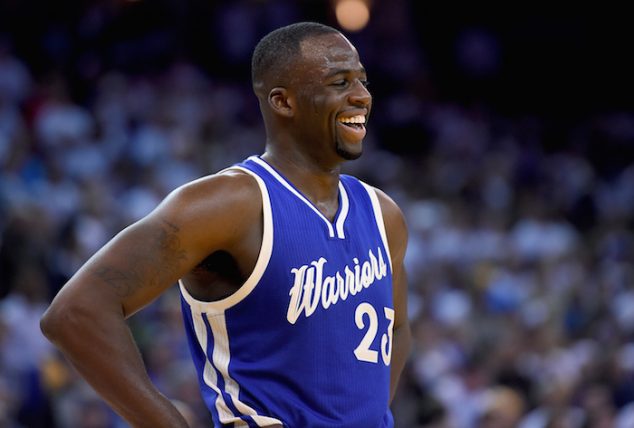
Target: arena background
{"x": 506, "y": 134}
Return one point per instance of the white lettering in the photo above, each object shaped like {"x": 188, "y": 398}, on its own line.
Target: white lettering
{"x": 310, "y": 287}
{"x": 328, "y": 296}
{"x": 342, "y": 290}
{"x": 294, "y": 306}
{"x": 317, "y": 275}
{"x": 357, "y": 276}
{"x": 350, "y": 281}
{"x": 367, "y": 277}
{"x": 382, "y": 265}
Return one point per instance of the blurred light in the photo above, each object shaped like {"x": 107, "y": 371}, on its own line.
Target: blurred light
{"x": 352, "y": 15}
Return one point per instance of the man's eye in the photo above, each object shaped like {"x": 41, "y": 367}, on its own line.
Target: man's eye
{"x": 345, "y": 82}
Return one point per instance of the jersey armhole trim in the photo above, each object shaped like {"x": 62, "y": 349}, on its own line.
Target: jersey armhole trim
{"x": 378, "y": 216}
{"x": 219, "y": 306}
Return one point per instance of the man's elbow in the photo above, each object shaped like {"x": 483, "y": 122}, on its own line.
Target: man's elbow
{"x": 52, "y": 323}
{"x": 60, "y": 321}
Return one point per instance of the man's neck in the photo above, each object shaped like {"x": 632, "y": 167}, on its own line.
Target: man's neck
{"x": 318, "y": 183}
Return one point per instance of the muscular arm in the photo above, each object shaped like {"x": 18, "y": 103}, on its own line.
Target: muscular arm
{"x": 86, "y": 320}
{"x": 396, "y": 231}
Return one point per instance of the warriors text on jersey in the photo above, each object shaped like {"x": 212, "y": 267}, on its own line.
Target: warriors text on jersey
{"x": 306, "y": 341}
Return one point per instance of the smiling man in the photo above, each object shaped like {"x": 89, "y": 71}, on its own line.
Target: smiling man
{"x": 291, "y": 274}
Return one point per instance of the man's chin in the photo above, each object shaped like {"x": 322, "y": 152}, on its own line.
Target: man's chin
{"x": 348, "y": 154}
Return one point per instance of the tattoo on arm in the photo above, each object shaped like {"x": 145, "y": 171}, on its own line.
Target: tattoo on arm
{"x": 121, "y": 282}
{"x": 160, "y": 257}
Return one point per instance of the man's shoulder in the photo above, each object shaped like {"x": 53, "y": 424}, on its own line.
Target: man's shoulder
{"x": 384, "y": 199}
{"x": 229, "y": 191}
{"x": 232, "y": 183}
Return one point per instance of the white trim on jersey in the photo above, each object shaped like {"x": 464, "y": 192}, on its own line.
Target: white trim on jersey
{"x": 209, "y": 373}
{"x": 378, "y": 215}
{"x": 342, "y": 214}
{"x": 221, "y": 358}
{"x": 219, "y": 306}
{"x": 213, "y": 312}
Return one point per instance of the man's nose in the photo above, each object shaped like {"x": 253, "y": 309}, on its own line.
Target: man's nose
{"x": 360, "y": 95}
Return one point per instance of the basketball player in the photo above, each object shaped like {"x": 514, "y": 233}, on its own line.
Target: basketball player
{"x": 291, "y": 274}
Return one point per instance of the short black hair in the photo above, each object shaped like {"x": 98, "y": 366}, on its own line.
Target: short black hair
{"x": 279, "y": 47}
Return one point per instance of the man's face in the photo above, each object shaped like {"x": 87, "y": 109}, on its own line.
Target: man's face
{"x": 333, "y": 101}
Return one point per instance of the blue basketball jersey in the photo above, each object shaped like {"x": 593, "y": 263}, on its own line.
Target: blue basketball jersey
{"x": 306, "y": 341}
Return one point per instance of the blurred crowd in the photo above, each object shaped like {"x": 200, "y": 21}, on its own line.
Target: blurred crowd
{"x": 521, "y": 251}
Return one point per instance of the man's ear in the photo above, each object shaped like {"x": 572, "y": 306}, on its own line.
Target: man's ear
{"x": 280, "y": 101}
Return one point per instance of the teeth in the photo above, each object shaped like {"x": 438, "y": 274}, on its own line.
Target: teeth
{"x": 354, "y": 119}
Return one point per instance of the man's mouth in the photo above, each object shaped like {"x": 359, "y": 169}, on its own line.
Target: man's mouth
{"x": 356, "y": 122}
{"x": 352, "y": 128}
